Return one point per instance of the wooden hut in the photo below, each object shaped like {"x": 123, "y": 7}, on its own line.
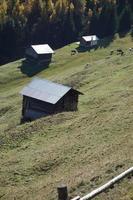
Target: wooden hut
{"x": 89, "y": 41}
{"x": 42, "y": 97}
{"x": 40, "y": 54}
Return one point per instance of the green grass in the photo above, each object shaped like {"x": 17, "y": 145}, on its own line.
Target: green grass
{"x": 83, "y": 149}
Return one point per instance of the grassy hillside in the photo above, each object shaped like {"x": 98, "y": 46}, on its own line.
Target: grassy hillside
{"x": 83, "y": 149}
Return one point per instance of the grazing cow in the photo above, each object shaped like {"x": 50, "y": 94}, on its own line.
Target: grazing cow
{"x": 131, "y": 49}
{"x": 120, "y": 51}
{"x": 73, "y": 52}
{"x": 111, "y": 52}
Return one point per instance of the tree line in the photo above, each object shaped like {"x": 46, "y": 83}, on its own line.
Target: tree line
{"x": 58, "y": 22}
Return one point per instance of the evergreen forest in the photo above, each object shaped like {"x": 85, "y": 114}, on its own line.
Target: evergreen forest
{"x": 58, "y": 22}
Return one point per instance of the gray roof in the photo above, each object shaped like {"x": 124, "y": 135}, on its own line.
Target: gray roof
{"x": 42, "y": 49}
{"x": 45, "y": 90}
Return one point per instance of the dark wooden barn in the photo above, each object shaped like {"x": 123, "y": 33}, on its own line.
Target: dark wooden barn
{"x": 89, "y": 41}
{"x": 42, "y": 97}
{"x": 41, "y": 54}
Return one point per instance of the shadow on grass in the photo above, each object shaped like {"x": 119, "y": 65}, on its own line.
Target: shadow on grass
{"x": 123, "y": 33}
{"x": 102, "y": 43}
{"x": 32, "y": 68}
{"x": 105, "y": 42}
{"x": 83, "y": 49}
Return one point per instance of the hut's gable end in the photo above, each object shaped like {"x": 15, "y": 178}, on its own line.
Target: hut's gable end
{"x": 30, "y": 53}
{"x": 94, "y": 42}
{"x": 83, "y": 42}
{"x": 68, "y": 102}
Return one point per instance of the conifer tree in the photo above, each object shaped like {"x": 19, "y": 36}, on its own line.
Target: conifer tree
{"x": 125, "y": 20}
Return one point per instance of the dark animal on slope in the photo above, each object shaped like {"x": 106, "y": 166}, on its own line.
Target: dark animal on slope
{"x": 111, "y": 52}
{"x": 131, "y": 49}
{"x": 120, "y": 52}
{"x": 73, "y": 52}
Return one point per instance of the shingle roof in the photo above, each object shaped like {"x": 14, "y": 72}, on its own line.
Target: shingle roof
{"x": 42, "y": 49}
{"x": 90, "y": 38}
{"x": 45, "y": 90}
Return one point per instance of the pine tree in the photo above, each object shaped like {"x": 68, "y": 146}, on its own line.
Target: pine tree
{"x": 125, "y": 20}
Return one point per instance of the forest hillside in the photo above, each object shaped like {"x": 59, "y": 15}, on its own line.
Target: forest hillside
{"x": 58, "y": 22}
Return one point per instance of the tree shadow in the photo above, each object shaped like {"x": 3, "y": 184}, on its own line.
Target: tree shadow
{"x": 32, "y": 68}
{"x": 131, "y": 36}
{"x": 123, "y": 34}
{"x": 131, "y": 32}
{"x": 105, "y": 42}
{"x": 82, "y": 49}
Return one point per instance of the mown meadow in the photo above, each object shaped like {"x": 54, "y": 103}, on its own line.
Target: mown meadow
{"x": 82, "y": 149}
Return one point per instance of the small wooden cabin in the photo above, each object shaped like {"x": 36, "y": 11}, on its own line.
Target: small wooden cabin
{"x": 40, "y": 54}
{"x": 42, "y": 97}
{"x": 89, "y": 41}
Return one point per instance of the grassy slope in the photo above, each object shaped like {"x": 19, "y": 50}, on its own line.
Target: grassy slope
{"x": 83, "y": 149}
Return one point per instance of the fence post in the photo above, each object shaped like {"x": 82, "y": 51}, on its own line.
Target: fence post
{"x": 62, "y": 192}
